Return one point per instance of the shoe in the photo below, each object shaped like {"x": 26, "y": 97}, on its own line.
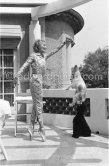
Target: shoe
{"x": 42, "y": 134}
{"x": 75, "y": 136}
{"x": 4, "y": 122}
{"x": 30, "y": 130}
{"x": 3, "y": 125}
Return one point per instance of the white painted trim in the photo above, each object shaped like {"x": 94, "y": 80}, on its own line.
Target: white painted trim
{"x": 23, "y": 2}
{"x": 55, "y": 7}
{"x": 10, "y": 31}
{"x": 15, "y": 10}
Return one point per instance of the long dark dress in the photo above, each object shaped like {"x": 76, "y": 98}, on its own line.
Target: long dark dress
{"x": 80, "y": 126}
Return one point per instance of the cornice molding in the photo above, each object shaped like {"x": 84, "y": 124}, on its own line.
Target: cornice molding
{"x": 73, "y": 18}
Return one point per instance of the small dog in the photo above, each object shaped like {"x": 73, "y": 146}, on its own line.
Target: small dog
{"x": 77, "y": 83}
{"x": 76, "y": 79}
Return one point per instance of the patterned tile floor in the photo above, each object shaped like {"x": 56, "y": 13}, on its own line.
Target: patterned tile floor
{"x": 60, "y": 149}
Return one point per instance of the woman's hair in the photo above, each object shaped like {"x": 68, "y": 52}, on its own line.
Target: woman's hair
{"x": 36, "y": 46}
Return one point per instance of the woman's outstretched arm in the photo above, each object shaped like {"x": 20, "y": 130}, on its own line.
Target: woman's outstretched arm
{"x": 68, "y": 40}
{"x": 70, "y": 86}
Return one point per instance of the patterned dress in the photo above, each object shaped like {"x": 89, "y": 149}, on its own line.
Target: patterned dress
{"x": 37, "y": 64}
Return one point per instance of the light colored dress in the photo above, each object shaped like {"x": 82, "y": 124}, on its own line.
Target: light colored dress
{"x": 37, "y": 64}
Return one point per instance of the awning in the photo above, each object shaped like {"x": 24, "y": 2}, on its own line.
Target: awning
{"x": 10, "y": 36}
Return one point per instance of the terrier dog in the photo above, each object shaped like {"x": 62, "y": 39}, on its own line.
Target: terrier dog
{"x": 78, "y": 84}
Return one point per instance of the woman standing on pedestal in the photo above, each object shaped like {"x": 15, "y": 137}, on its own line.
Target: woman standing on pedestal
{"x": 37, "y": 61}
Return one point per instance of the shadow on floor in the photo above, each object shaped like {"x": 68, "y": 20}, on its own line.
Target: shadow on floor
{"x": 58, "y": 150}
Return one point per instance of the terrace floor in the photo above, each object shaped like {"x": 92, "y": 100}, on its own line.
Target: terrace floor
{"x": 60, "y": 149}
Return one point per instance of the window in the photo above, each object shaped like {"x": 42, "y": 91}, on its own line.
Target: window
{"x": 6, "y": 75}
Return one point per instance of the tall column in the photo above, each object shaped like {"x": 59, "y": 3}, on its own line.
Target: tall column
{"x": 66, "y": 68}
{"x": 67, "y": 62}
{"x": 42, "y": 24}
{"x": 34, "y": 33}
{"x": 64, "y": 62}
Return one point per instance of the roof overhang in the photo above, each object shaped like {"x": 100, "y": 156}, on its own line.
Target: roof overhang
{"x": 55, "y": 7}
{"x": 20, "y": 6}
{"x": 15, "y": 10}
{"x": 22, "y": 3}
{"x": 38, "y": 8}
{"x": 10, "y": 36}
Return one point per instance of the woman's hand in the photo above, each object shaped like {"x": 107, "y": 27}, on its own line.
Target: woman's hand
{"x": 15, "y": 81}
{"x": 69, "y": 40}
{"x": 68, "y": 87}
{"x": 71, "y": 104}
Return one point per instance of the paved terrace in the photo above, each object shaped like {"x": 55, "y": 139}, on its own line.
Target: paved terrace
{"x": 60, "y": 149}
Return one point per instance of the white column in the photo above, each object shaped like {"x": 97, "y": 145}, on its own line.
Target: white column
{"x": 66, "y": 58}
{"x": 34, "y": 33}
{"x": 65, "y": 63}
{"x": 42, "y": 24}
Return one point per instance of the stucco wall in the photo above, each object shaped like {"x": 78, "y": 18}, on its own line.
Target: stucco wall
{"x": 98, "y": 119}
{"x": 56, "y": 32}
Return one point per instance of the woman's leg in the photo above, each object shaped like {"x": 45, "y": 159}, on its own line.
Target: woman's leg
{"x": 3, "y": 120}
{"x": 34, "y": 109}
{"x": 41, "y": 127}
{"x": 32, "y": 122}
{"x": 36, "y": 92}
{"x": 39, "y": 115}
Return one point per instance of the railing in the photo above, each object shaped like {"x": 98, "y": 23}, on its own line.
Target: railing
{"x": 60, "y": 105}
{"x": 57, "y": 105}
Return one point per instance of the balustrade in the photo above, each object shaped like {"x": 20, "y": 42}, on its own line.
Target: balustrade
{"x": 61, "y": 106}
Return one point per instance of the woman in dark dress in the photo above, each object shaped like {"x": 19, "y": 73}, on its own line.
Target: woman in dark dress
{"x": 80, "y": 126}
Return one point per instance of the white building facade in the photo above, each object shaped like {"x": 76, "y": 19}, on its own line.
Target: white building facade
{"x": 24, "y": 21}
